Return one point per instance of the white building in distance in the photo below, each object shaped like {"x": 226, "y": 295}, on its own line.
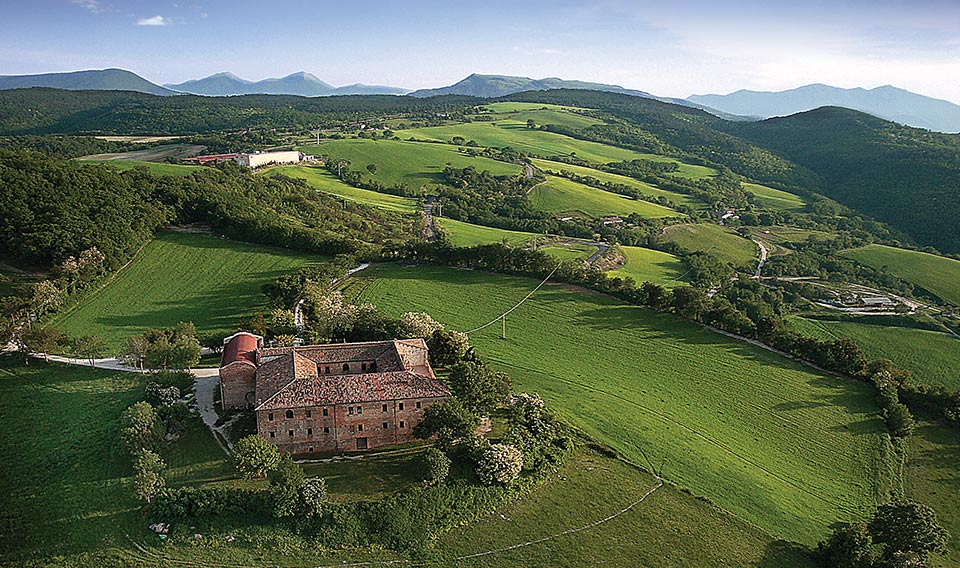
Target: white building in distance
{"x": 269, "y": 158}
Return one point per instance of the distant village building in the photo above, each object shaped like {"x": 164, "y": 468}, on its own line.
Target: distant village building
{"x": 612, "y": 220}
{"x": 324, "y": 398}
{"x": 254, "y": 160}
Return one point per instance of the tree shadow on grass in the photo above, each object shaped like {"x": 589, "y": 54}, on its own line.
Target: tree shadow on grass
{"x": 784, "y": 554}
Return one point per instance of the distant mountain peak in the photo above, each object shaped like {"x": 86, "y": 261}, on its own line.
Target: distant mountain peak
{"x": 111, "y": 79}
{"x": 300, "y": 83}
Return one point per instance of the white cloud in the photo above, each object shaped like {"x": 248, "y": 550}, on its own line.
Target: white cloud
{"x": 92, "y": 5}
{"x": 154, "y": 21}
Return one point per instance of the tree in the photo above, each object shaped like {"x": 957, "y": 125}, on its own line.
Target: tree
{"x": 433, "y": 466}
{"x": 849, "y": 546}
{"x": 372, "y": 168}
{"x": 448, "y": 347}
{"x": 313, "y": 494}
{"x": 908, "y": 526}
{"x": 418, "y": 324}
{"x": 899, "y": 421}
{"x": 162, "y": 396}
{"x": 479, "y": 387}
{"x": 531, "y": 124}
{"x": 500, "y": 464}
{"x": 42, "y": 340}
{"x": 44, "y": 297}
{"x": 134, "y": 351}
{"x": 91, "y": 347}
{"x": 147, "y": 478}
{"x": 286, "y": 482}
{"x": 449, "y": 420}
{"x": 172, "y": 348}
{"x": 254, "y": 456}
{"x": 140, "y": 428}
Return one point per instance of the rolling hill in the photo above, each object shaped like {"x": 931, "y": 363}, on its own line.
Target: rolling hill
{"x": 886, "y": 102}
{"x": 302, "y": 84}
{"x": 92, "y": 80}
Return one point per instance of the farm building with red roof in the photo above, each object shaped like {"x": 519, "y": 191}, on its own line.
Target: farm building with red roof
{"x": 325, "y": 398}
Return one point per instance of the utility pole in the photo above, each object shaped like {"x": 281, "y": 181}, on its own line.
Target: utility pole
{"x": 503, "y": 330}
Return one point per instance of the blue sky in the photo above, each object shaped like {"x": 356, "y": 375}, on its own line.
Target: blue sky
{"x": 671, "y": 48}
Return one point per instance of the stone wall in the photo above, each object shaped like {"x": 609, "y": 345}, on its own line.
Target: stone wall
{"x": 238, "y": 385}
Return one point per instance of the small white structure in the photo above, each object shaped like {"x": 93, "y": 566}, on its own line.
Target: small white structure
{"x": 269, "y": 158}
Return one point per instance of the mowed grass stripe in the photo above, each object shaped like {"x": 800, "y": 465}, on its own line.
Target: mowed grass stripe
{"x": 753, "y": 432}
{"x": 215, "y": 283}
{"x": 937, "y": 274}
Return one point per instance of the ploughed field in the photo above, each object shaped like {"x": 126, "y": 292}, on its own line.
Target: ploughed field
{"x": 781, "y": 446}
{"x": 215, "y": 283}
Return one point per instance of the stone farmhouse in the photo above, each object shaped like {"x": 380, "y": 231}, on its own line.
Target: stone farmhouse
{"x": 326, "y": 398}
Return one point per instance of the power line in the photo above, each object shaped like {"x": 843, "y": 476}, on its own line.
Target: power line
{"x": 525, "y": 298}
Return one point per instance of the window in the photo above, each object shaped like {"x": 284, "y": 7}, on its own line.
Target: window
{"x": 400, "y": 406}
{"x": 290, "y": 432}
{"x": 418, "y": 405}
{"x": 359, "y": 410}
{"x": 402, "y": 425}
{"x": 383, "y": 407}
{"x": 273, "y": 434}
{"x": 309, "y": 413}
{"x": 270, "y": 416}
{"x": 326, "y": 429}
{"x": 346, "y": 367}
{"x": 350, "y": 411}
{"x": 310, "y": 449}
{"x": 326, "y": 370}
{"x": 386, "y": 426}
{"x": 359, "y": 427}
{"x": 363, "y": 366}
{"x": 324, "y": 411}
{"x": 289, "y": 414}
{"x": 309, "y": 432}
{"x": 373, "y": 367}
{"x": 352, "y": 430}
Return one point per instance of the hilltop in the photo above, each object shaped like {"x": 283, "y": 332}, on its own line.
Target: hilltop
{"x": 301, "y": 83}
{"x": 97, "y": 79}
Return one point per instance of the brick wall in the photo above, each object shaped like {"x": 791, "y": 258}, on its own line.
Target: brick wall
{"x": 345, "y": 427}
{"x": 237, "y": 385}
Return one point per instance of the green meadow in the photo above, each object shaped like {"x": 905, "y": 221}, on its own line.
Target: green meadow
{"x": 569, "y": 251}
{"x": 648, "y": 265}
{"x": 937, "y": 274}
{"x": 932, "y": 477}
{"x": 323, "y": 180}
{"x": 215, "y": 283}
{"x": 415, "y": 165}
{"x": 932, "y": 356}
{"x": 715, "y": 239}
{"x": 157, "y": 168}
{"x": 562, "y": 196}
{"x": 467, "y": 234}
{"x": 785, "y": 448}
{"x": 775, "y": 199}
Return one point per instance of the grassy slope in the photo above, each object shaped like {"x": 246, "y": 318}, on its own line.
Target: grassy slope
{"x": 560, "y": 195}
{"x": 413, "y": 164}
{"x": 467, "y": 234}
{"x": 718, "y": 240}
{"x": 774, "y": 198}
{"x": 519, "y": 113}
{"x": 214, "y": 283}
{"x": 543, "y": 143}
{"x": 932, "y": 476}
{"x": 570, "y": 251}
{"x": 324, "y": 181}
{"x": 644, "y": 188}
{"x": 735, "y": 423}
{"x": 933, "y": 357}
{"x": 935, "y": 273}
{"x": 645, "y": 264}
{"x": 158, "y": 168}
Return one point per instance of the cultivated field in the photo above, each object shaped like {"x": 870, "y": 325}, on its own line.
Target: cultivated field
{"x": 932, "y": 356}
{"x": 562, "y": 196}
{"x": 323, "y": 180}
{"x": 645, "y": 264}
{"x": 154, "y": 154}
{"x": 569, "y": 251}
{"x": 716, "y": 240}
{"x": 937, "y": 274}
{"x": 467, "y": 234}
{"x": 774, "y": 198}
{"x": 409, "y": 163}
{"x": 644, "y": 188}
{"x": 787, "y": 449}
{"x": 215, "y": 283}
{"x": 931, "y": 476}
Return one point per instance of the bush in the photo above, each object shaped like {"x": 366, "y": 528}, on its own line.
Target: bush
{"x": 162, "y": 396}
{"x": 500, "y": 464}
{"x": 286, "y": 481}
{"x": 449, "y": 420}
{"x": 141, "y": 428}
{"x": 418, "y": 324}
{"x": 448, "y": 347}
{"x": 899, "y": 421}
{"x": 147, "y": 478}
{"x": 253, "y": 456}
{"x": 313, "y": 495}
{"x": 434, "y": 466}
{"x": 480, "y": 388}
{"x": 188, "y": 502}
{"x": 850, "y": 546}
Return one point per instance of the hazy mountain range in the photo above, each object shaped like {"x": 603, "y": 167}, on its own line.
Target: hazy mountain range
{"x": 886, "y": 102}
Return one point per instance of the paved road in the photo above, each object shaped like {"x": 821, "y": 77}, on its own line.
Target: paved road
{"x": 113, "y": 364}
{"x": 763, "y": 257}
{"x": 428, "y": 214}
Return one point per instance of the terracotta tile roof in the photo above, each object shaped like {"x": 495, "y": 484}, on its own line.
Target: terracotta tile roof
{"x": 345, "y": 389}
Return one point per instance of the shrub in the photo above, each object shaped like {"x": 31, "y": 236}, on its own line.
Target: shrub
{"x": 448, "y": 347}
{"x": 162, "y": 396}
{"x": 434, "y": 466}
{"x": 850, "y": 546}
{"x": 418, "y": 324}
{"x": 253, "y": 456}
{"x": 147, "y": 478}
{"x": 899, "y": 420}
{"x": 500, "y": 464}
{"x": 313, "y": 495}
{"x": 141, "y": 429}
{"x": 286, "y": 481}
{"x": 187, "y": 502}
{"x": 449, "y": 420}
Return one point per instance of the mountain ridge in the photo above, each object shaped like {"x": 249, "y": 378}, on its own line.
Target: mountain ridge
{"x": 300, "y": 83}
{"x": 111, "y": 79}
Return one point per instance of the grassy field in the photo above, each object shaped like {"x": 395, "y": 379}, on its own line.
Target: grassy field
{"x": 717, "y": 240}
{"x": 570, "y": 251}
{"x": 560, "y": 195}
{"x": 932, "y": 477}
{"x": 540, "y": 142}
{"x": 644, "y": 188}
{"x": 410, "y": 163}
{"x": 937, "y": 274}
{"x": 152, "y": 154}
{"x": 157, "y": 168}
{"x": 932, "y": 356}
{"x": 645, "y": 264}
{"x": 774, "y": 198}
{"x": 467, "y": 234}
{"x": 519, "y": 113}
{"x": 323, "y": 180}
{"x": 215, "y": 283}
{"x": 732, "y": 422}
